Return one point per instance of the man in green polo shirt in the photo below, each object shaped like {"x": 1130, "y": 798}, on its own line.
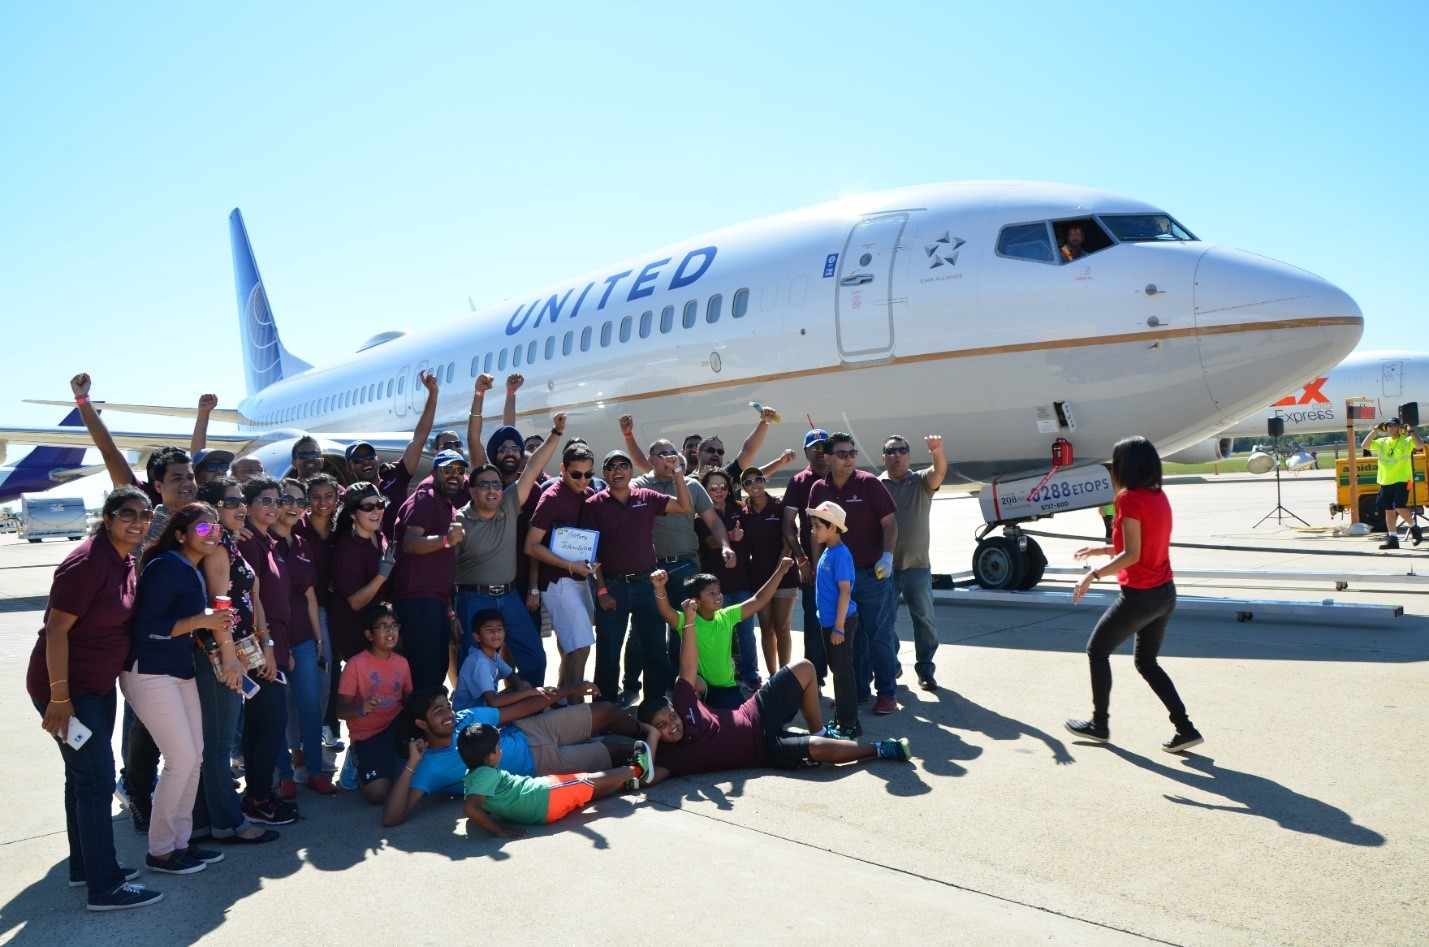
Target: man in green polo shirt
{"x": 1394, "y": 445}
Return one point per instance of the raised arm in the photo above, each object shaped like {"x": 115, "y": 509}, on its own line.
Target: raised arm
{"x": 683, "y": 504}
{"x": 120, "y": 474}
{"x": 689, "y": 647}
{"x": 413, "y": 453}
{"x": 514, "y": 381}
{"x": 637, "y": 456}
{"x": 766, "y": 591}
{"x": 660, "y": 579}
{"x": 538, "y": 460}
{"x": 778, "y": 463}
{"x": 755, "y": 440}
{"x": 473, "y": 421}
{"x": 206, "y": 404}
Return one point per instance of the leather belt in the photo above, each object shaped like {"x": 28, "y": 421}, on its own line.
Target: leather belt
{"x": 669, "y": 560}
{"x": 485, "y": 589}
{"x": 629, "y": 577}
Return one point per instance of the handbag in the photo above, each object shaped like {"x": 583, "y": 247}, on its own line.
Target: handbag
{"x": 249, "y": 649}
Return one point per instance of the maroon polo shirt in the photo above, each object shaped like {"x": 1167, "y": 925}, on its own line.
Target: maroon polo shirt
{"x": 627, "y": 542}
{"x": 97, "y": 585}
{"x": 558, "y": 505}
{"x": 302, "y": 575}
{"x": 764, "y": 535}
{"x": 354, "y": 564}
{"x": 714, "y": 740}
{"x": 523, "y": 524}
{"x": 395, "y": 490}
{"x": 731, "y": 579}
{"x": 796, "y": 495}
{"x": 866, "y": 501}
{"x": 320, "y": 550}
{"x": 432, "y": 575}
{"x": 269, "y": 562}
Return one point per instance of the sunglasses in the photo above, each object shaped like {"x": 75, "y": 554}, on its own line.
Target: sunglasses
{"x": 719, "y": 451}
{"x": 487, "y": 485}
{"x": 581, "y": 474}
{"x": 229, "y": 503}
{"x": 618, "y": 465}
{"x": 372, "y": 506}
{"x": 289, "y": 500}
{"x": 459, "y": 468}
{"x": 362, "y": 458}
{"x": 751, "y": 481}
{"x": 202, "y": 529}
{"x": 266, "y": 500}
{"x": 448, "y": 445}
{"x": 896, "y": 450}
{"x": 844, "y": 454}
{"x": 213, "y": 466}
{"x": 128, "y": 514}
{"x": 307, "y": 455}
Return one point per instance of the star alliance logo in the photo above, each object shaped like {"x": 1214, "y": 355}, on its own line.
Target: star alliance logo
{"x": 944, "y": 250}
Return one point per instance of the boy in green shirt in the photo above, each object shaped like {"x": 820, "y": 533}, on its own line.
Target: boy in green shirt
{"x": 533, "y": 800}
{"x": 714, "y": 628}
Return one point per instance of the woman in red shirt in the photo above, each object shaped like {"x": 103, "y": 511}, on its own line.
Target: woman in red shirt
{"x": 1140, "y": 551}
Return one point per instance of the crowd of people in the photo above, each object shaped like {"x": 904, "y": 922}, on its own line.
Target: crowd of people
{"x": 257, "y": 615}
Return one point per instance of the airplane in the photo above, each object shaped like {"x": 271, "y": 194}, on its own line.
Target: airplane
{"x": 967, "y": 309}
{"x": 1386, "y": 379}
{"x": 44, "y": 467}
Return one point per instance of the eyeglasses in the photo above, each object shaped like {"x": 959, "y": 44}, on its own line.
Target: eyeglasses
{"x": 362, "y": 458}
{"x": 667, "y": 453}
{"x": 719, "y": 451}
{"x": 752, "y": 481}
{"x": 229, "y": 503}
{"x": 510, "y": 449}
{"x": 213, "y": 466}
{"x": 844, "y": 454}
{"x": 581, "y": 474}
{"x": 373, "y": 505}
{"x": 618, "y": 465}
{"x": 387, "y": 626}
{"x": 307, "y": 455}
{"x": 487, "y": 485}
{"x": 896, "y": 450}
{"x": 203, "y": 528}
{"x": 128, "y": 514}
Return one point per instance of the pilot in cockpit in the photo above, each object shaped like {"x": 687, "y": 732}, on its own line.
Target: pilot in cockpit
{"x": 1072, "y": 249}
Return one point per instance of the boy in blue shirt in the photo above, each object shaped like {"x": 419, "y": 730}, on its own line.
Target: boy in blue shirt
{"x": 838, "y": 614}
{"x": 483, "y": 670}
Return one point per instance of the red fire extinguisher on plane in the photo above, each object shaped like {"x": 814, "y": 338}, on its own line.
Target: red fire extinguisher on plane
{"x": 1061, "y": 452}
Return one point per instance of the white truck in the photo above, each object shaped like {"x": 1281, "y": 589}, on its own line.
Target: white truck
{"x": 42, "y": 516}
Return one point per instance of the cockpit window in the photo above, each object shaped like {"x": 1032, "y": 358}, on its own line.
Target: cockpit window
{"x": 1078, "y": 237}
{"x": 1026, "y": 242}
{"x": 1132, "y": 228}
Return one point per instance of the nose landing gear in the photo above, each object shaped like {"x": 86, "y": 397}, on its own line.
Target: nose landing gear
{"x": 1012, "y": 561}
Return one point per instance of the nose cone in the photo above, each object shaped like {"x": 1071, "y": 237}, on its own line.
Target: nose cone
{"x": 1264, "y": 327}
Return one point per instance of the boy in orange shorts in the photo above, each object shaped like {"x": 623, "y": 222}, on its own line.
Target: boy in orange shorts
{"x": 533, "y": 800}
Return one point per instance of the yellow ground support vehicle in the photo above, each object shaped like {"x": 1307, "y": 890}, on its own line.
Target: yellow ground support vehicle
{"x": 1366, "y": 469}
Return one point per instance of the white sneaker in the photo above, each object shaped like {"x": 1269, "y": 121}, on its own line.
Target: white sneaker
{"x": 331, "y": 742}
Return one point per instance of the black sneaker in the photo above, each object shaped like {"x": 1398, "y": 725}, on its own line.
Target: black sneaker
{"x": 1390, "y": 542}
{"x": 125, "y": 896}
{"x": 176, "y": 864}
{"x": 79, "y": 881}
{"x": 140, "y": 818}
{"x": 1416, "y": 534}
{"x": 1089, "y": 730}
{"x": 928, "y": 683}
{"x": 206, "y": 855}
{"x": 268, "y": 811}
{"x": 1183, "y": 741}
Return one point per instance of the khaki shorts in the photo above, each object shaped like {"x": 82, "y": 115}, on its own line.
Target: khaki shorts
{"x": 561, "y": 741}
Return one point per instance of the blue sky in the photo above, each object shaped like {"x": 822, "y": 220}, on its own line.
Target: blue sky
{"x": 392, "y": 164}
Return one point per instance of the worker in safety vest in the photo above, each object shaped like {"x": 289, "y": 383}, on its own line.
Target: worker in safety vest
{"x": 1394, "y": 445}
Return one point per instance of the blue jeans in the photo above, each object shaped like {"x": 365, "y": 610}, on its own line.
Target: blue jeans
{"x": 425, "y": 633}
{"x": 523, "y": 640}
{"x": 89, "y": 792}
{"x": 875, "y": 648}
{"x": 217, "y": 807}
{"x": 265, "y": 716}
{"x": 634, "y": 605}
{"x": 748, "y": 650}
{"x": 305, "y": 712}
{"x": 814, "y": 634}
{"x": 916, "y": 587}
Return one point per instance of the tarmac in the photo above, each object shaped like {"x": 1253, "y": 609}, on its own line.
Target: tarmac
{"x": 1301, "y": 820}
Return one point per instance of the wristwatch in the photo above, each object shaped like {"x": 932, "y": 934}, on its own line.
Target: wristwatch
{"x": 534, "y": 591}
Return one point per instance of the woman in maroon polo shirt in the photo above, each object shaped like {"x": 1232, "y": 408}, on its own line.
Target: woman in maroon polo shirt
{"x": 763, "y": 522}
{"x": 73, "y": 669}
{"x": 324, "y": 494}
{"x": 733, "y": 580}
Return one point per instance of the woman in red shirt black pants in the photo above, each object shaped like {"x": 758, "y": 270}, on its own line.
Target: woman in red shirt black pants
{"x": 1141, "y": 545}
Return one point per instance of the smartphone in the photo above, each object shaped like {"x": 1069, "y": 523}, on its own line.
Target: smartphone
{"x": 282, "y": 679}
{"x": 250, "y": 687}
{"x": 79, "y": 734}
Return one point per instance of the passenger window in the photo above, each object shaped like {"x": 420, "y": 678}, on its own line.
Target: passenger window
{"x": 401, "y": 384}
{"x": 501, "y": 361}
{"x": 605, "y": 335}
{"x": 688, "y": 316}
{"x": 516, "y": 356}
{"x": 531, "y": 352}
{"x": 1026, "y": 242}
{"x": 712, "y": 310}
{"x": 475, "y": 365}
{"x": 585, "y": 339}
{"x": 625, "y": 329}
{"x": 646, "y": 318}
{"x": 486, "y": 368}
{"x": 667, "y": 319}
{"x": 1078, "y": 238}
{"x": 550, "y": 347}
{"x": 741, "y": 304}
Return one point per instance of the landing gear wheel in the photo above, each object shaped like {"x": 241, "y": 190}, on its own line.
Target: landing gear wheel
{"x": 1034, "y": 565}
{"x": 998, "y": 564}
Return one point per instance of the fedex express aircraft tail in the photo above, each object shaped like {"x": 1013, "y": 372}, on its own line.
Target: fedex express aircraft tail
{"x": 265, "y": 360}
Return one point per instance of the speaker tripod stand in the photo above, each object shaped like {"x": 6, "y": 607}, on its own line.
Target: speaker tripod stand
{"x": 1275, "y": 427}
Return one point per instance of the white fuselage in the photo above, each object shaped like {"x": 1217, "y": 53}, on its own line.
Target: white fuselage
{"x": 885, "y": 313}
{"x": 1381, "y": 380}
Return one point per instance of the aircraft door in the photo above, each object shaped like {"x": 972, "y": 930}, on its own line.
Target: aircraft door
{"x": 1392, "y": 378}
{"x": 863, "y": 313}
{"x": 399, "y": 392}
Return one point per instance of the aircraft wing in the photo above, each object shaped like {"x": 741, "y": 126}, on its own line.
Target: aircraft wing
{"x": 224, "y": 415}
{"x": 143, "y": 441}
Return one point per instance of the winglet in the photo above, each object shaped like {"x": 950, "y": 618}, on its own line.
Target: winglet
{"x": 264, "y": 357}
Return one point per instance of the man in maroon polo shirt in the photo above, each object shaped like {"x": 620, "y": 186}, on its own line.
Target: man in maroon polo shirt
{"x": 563, "y": 586}
{"x": 871, "y": 518}
{"x": 422, "y": 579}
{"x": 624, "y": 515}
{"x": 363, "y": 464}
{"x": 797, "y": 535}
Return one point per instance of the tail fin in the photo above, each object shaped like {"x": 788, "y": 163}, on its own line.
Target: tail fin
{"x": 264, "y": 357}
{"x": 44, "y": 459}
